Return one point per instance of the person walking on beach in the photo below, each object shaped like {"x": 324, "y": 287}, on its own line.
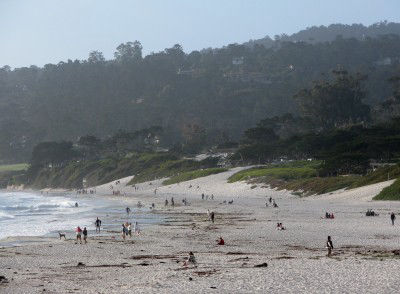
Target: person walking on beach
{"x": 123, "y": 231}
{"x": 392, "y": 217}
{"x": 270, "y": 200}
{"x": 98, "y": 224}
{"x": 166, "y": 202}
{"x": 137, "y": 229}
{"x": 130, "y": 230}
{"x": 329, "y": 245}
{"x": 84, "y": 232}
{"x": 128, "y": 210}
{"x": 212, "y": 216}
{"x": 172, "y": 202}
{"x": 78, "y": 235}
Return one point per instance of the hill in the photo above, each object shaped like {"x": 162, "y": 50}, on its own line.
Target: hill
{"x": 319, "y": 34}
{"x": 208, "y": 97}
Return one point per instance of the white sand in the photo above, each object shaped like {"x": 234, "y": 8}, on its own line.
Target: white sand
{"x": 362, "y": 261}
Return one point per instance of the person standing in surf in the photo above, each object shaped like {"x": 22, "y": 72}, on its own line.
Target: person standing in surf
{"x": 98, "y": 224}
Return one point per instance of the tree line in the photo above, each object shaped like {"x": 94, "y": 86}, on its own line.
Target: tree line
{"x": 203, "y": 97}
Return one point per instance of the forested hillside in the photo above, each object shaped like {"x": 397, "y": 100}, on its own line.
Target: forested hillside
{"x": 214, "y": 94}
{"x": 318, "y": 34}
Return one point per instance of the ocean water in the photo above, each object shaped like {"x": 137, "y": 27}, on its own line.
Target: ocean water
{"x": 34, "y": 214}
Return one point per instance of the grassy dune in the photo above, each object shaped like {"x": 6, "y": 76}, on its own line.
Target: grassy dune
{"x": 13, "y": 167}
{"x": 317, "y": 185}
{"x": 301, "y": 177}
{"x": 390, "y": 193}
{"x": 187, "y": 176}
{"x": 282, "y": 173}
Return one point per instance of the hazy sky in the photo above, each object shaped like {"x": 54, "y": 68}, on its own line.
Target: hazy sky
{"x": 48, "y": 31}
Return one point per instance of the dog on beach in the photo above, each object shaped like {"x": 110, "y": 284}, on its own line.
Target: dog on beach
{"x": 62, "y": 235}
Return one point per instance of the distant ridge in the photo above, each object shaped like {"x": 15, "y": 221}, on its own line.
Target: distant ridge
{"x": 319, "y": 34}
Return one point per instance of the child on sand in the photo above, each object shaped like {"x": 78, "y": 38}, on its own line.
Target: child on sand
{"x": 221, "y": 241}
{"x": 78, "y": 235}
{"x": 190, "y": 260}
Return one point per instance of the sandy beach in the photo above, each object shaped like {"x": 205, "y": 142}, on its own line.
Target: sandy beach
{"x": 256, "y": 258}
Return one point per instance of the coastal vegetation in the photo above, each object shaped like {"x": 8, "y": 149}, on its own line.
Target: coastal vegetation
{"x": 390, "y": 193}
{"x": 187, "y": 176}
{"x": 13, "y": 167}
{"x": 143, "y": 166}
{"x": 302, "y": 178}
{"x": 281, "y": 173}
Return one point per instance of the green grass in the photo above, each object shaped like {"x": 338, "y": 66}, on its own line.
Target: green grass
{"x": 13, "y": 167}
{"x": 390, "y": 193}
{"x": 280, "y": 173}
{"x": 316, "y": 185}
{"x": 379, "y": 175}
{"x": 298, "y": 163}
{"x": 187, "y": 176}
{"x": 145, "y": 167}
{"x": 301, "y": 177}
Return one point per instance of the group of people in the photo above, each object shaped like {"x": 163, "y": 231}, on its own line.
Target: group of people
{"x": 271, "y": 202}
{"x": 127, "y": 230}
{"x": 172, "y": 202}
{"x": 280, "y": 227}
{"x": 85, "y": 191}
{"x": 84, "y": 232}
{"x": 329, "y": 215}
{"x": 370, "y": 212}
{"x": 79, "y": 233}
{"x": 206, "y": 196}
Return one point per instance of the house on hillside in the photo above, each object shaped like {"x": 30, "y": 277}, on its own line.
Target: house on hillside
{"x": 248, "y": 77}
{"x": 387, "y": 61}
{"x": 238, "y": 60}
{"x": 185, "y": 71}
